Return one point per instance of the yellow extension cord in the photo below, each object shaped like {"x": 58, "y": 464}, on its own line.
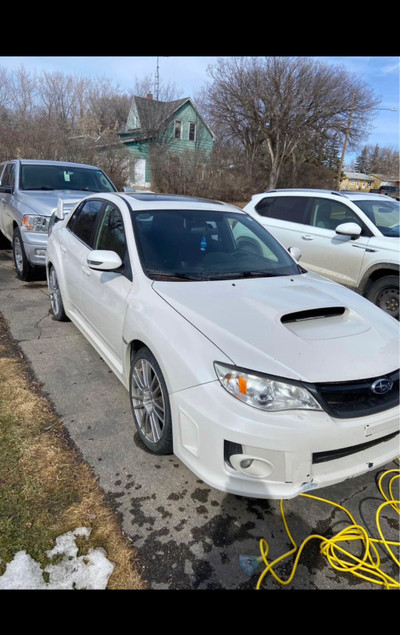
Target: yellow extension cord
{"x": 367, "y": 567}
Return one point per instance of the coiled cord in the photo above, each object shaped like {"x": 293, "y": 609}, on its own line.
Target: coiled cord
{"x": 367, "y": 567}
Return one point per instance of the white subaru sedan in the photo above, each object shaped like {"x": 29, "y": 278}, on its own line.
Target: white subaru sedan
{"x": 264, "y": 379}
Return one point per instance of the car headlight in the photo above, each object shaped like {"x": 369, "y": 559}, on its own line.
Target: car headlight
{"x": 35, "y": 223}
{"x": 264, "y": 392}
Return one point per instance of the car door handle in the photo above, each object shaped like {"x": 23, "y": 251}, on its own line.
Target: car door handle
{"x": 307, "y": 237}
{"x": 86, "y": 270}
{"x": 63, "y": 249}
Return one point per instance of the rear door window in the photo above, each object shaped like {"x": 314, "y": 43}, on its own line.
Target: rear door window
{"x": 83, "y": 222}
{"x": 286, "y": 208}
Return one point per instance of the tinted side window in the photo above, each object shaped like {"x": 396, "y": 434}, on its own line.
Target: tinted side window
{"x": 328, "y": 214}
{"x": 8, "y": 177}
{"x": 287, "y": 208}
{"x": 84, "y": 221}
{"x": 111, "y": 234}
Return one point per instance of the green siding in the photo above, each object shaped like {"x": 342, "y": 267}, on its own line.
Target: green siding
{"x": 187, "y": 115}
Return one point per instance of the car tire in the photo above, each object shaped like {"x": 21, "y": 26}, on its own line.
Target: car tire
{"x": 385, "y": 294}
{"x": 24, "y": 269}
{"x": 57, "y": 305}
{"x": 150, "y": 402}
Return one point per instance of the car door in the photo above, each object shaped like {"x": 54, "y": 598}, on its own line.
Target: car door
{"x": 328, "y": 253}
{"x": 103, "y": 293}
{"x": 75, "y": 242}
{"x": 7, "y": 213}
{"x": 285, "y": 217}
{"x": 309, "y": 223}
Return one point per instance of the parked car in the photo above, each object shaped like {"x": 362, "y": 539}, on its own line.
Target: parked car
{"x": 389, "y": 190}
{"x": 265, "y": 380}
{"x": 29, "y": 192}
{"x": 352, "y": 238}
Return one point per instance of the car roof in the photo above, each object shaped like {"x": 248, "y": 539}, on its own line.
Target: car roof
{"x": 45, "y": 162}
{"x": 339, "y": 193}
{"x": 142, "y": 200}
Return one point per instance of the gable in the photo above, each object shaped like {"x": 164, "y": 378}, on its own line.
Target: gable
{"x": 148, "y": 116}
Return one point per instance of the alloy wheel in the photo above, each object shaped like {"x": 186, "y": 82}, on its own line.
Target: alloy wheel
{"x": 148, "y": 401}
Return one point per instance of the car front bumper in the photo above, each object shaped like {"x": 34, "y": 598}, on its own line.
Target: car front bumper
{"x": 245, "y": 451}
{"x": 35, "y": 245}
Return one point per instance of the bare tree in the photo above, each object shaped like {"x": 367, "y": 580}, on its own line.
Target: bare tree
{"x": 373, "y": 159}
{"x": 272, "y": 105}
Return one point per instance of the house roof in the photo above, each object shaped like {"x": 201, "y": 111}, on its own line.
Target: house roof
{"x": 152, "y": 114}
{"x": 149, "y": 109}
{"x": 358, "y": 175}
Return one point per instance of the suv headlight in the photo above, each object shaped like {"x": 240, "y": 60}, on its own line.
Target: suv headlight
{"x": 264, "y": 392}
{"x": 36, "y": 223}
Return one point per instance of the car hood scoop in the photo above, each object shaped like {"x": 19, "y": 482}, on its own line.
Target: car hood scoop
{"x": 301, "y": 327}
{"x": 325, "y": 323}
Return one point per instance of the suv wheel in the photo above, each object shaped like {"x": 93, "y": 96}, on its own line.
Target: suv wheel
{"x": 385, "y": 294}
{"x": 23, "y": 267}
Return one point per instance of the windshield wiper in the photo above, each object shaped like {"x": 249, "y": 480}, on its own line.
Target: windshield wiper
{"x": 43, "y": 187}
{"x": 163, "y": 275}
{"x": 228, "y": 275}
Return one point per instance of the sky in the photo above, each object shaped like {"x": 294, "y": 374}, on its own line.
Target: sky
{"x": 188, "y": 74}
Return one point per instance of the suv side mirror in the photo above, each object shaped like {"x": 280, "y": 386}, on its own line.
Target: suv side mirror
{"x": 295, "y": 253}
{"x": 349, "y": 229}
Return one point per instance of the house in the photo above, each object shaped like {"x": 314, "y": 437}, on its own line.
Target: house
{"x": 176, "y": 125}
{"x": 380, "y": 179}
{"x": 356, "y": 182}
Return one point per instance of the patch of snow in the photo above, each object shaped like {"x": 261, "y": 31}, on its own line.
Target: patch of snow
{"x": 91, "y": 571}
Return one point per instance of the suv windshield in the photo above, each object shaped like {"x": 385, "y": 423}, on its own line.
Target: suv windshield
{"x": 384, "y": 214}
{"x": 207, "y": 245}
{"x": 64, "y": 177}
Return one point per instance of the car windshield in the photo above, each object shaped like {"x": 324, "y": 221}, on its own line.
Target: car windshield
{"x": 384, "y": 214}
{"x": 64, "y": 177}
{"x": 207, "y": 245}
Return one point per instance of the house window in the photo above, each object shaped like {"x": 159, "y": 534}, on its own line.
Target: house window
{"x": 192, "y": 131}
{"x": 178, "y": 129}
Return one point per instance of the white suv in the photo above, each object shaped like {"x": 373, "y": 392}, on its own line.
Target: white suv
{"x": 352, "y": 238}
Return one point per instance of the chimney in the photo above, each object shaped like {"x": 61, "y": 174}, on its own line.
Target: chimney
{"x": 149, "y": 95}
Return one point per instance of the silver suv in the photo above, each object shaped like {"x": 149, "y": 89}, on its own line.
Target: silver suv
{"x": 29, "y": 194}
{"x": 352, "y": 238}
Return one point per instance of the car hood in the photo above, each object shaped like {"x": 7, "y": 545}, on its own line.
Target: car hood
{"x": 44, "y": 203}
{"x": 302, "y": 327}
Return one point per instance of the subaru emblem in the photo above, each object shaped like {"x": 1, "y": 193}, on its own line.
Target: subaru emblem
{"x": 381, "y": 386}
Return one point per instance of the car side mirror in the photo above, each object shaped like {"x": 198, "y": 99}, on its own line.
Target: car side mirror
{"x": 103, "y": 260}
{"x": 349, "y": 229}
{"x": 295, "y": 253}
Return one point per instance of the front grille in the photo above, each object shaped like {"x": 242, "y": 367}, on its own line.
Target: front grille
{"x": 331, "y": 455}
{"x": 356, "y": 398}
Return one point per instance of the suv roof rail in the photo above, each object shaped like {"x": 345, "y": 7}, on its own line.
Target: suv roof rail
{"x": 305, "y": 189}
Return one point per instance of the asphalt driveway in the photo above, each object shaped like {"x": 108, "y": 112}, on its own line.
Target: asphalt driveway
{"x": 189, "y": 536}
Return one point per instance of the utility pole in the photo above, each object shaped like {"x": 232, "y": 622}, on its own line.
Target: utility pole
{"x": 346, "y": 140}
{"x": 157, "y": 83}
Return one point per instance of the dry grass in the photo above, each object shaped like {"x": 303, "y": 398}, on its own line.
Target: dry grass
{"x": 46, "y": 489}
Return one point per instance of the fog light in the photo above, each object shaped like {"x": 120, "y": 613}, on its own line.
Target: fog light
{"x": 252, "y": 466}
{"x": 40, "y": 252}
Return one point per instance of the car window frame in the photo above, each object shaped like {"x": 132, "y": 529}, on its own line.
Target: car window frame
{"x": 126, "y": 267}
{"x": 308, "y": 210}
{"x": 77, "y": 211}
{"x": 273, "y": 199}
